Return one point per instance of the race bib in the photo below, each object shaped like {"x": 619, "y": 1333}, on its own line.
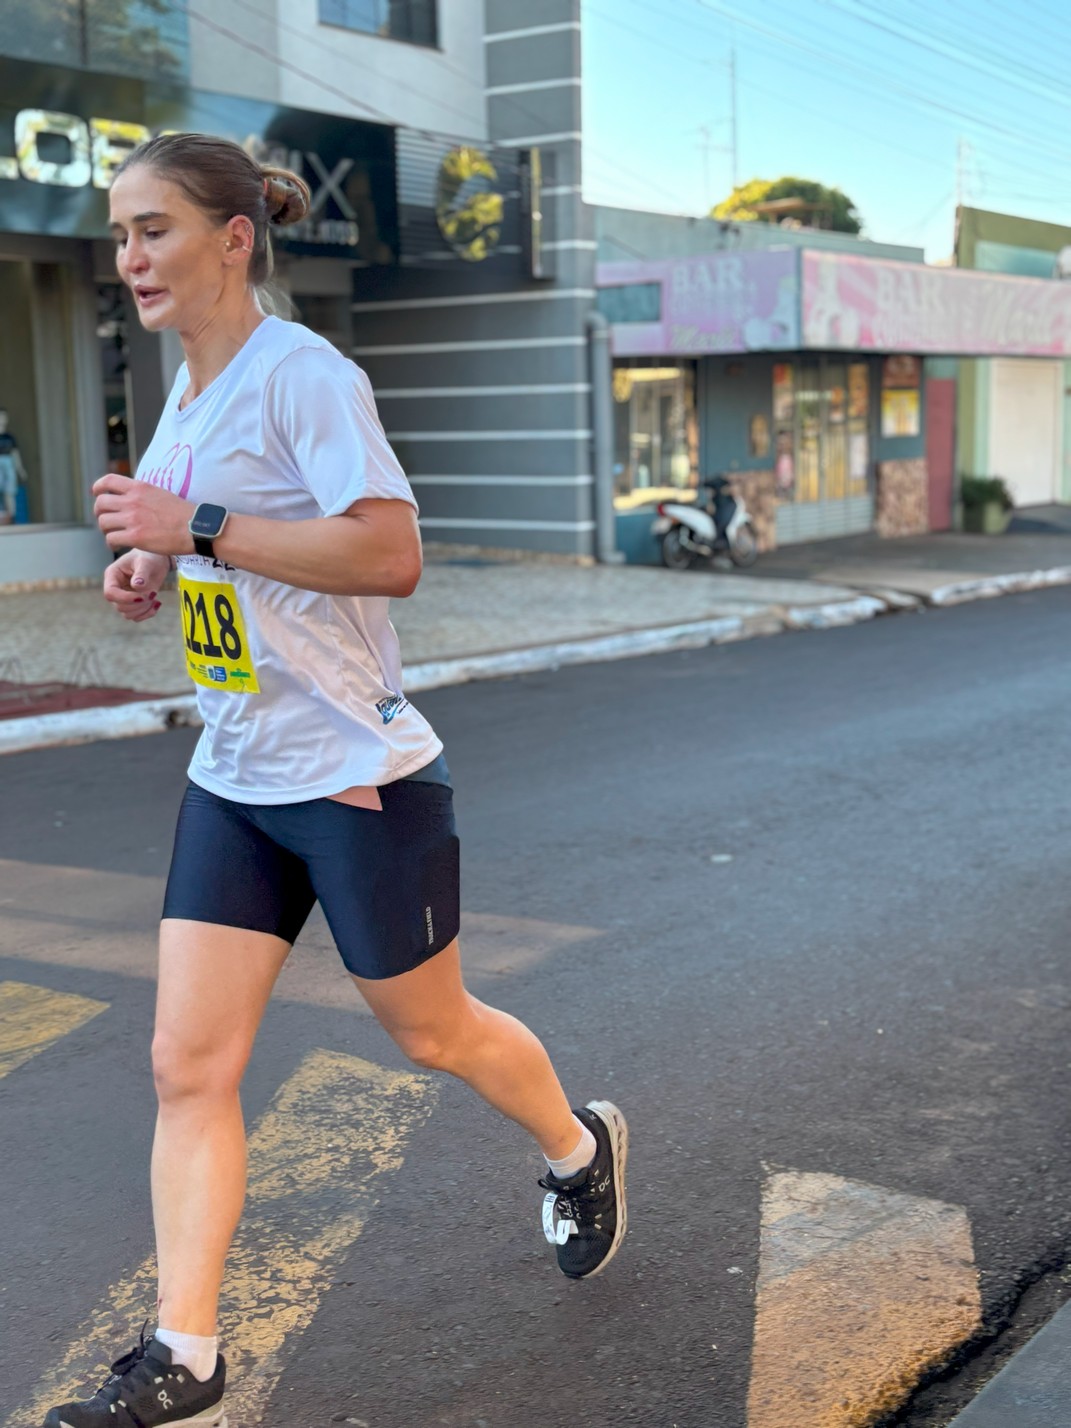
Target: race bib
{"x": 217, "y": 650}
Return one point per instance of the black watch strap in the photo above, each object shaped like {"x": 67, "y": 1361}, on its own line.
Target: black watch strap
{"x": 206, "y": 526}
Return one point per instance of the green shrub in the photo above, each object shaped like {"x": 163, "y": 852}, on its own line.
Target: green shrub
{"x": 984, "y": 490}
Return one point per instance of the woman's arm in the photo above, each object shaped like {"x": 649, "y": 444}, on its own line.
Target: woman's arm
{"x": 372, "y": 549}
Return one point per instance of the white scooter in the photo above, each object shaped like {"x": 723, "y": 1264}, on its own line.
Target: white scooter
{"x": 718, "y": 522}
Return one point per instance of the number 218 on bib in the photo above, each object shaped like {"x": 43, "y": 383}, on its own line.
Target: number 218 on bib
{"x": 217, "y": 649}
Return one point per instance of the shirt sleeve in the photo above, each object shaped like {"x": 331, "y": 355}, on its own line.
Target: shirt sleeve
{"x": 320, "y": 408}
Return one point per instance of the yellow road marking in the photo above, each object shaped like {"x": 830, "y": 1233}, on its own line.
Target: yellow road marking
{"x": 33, "y": 1018}
{"x": 860, "y": 1291}
{"x": 316, "y": 1160}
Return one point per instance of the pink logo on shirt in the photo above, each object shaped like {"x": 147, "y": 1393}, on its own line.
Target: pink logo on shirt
{"x": 177, "y": 463}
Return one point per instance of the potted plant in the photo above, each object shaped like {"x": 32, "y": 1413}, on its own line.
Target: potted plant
{"x": 987, "y": 504}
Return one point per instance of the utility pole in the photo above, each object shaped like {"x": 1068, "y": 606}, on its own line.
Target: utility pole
{"x": 963, "y": 158}
{"x": 704, "y": 146}
{"x": 732, "y": 119}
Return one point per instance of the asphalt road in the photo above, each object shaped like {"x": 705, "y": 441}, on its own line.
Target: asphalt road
{"x": 877, "y": 986}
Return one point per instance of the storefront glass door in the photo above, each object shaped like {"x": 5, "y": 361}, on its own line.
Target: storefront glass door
{"x": 822, "y": 415}
{"x": 655, "y": 433}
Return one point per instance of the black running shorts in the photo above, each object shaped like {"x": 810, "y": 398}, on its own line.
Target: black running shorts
{"x": 388, "y": 882}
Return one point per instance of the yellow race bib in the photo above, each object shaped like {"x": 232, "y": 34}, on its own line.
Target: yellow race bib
{"x": 217, "y": 649}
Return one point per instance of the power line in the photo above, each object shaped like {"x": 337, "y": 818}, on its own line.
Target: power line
{"x": 778, "y": 41}
{"x": 922, "y": 99}
{"x": 946, "y": 50}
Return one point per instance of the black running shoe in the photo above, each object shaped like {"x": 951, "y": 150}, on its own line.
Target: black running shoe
{"x": 585, "y": 1217}
{"x": 145, "y": 1390}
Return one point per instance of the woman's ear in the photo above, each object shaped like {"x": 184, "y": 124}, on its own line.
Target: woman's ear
{"x": 239, "y": 238}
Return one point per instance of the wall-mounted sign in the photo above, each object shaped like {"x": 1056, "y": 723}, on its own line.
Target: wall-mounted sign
{"x": 877, "y": 305}
{"x": 469, "y": 206}
{"x": 900, "y": 413}
{"x": 724, "y": 302}
{"x": 64, "y": 132}
{"x": 901, "y": 370}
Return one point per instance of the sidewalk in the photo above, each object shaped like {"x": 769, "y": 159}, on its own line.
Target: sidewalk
{"x": 475, "y": 616}
{"x": 1032, "y": 1390}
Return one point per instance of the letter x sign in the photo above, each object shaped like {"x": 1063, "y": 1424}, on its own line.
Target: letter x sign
{"x": 329, "y": 184}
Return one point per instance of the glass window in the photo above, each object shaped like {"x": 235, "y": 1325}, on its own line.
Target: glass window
{"x": 412, "y": 20}
{"x": 144, "y": 38}
{"x": 111, "y": 335}
{"x": 656, "y": 436}
{"x": 631, "y": 302}
{"x": 48, "y": 34}
{"x": 38, "y": 470}
{"x": 822, "y": 423}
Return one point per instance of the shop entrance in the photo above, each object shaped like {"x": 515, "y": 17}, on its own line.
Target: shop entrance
{"x": 823, "y": 435}
{"x": 656, "y": 435}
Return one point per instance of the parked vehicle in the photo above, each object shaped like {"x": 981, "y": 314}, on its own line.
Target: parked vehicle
{"x": 717, "y": 523}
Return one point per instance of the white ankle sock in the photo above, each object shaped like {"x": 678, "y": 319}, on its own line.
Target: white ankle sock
{"x": 579, "y": 1160}
{"x": 192, "y": 1352}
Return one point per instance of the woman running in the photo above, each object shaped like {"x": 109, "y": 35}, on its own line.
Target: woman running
{"x": 271, "y": 487}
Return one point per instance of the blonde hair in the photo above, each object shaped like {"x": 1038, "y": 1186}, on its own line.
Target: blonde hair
{"x": 221, "y": 179}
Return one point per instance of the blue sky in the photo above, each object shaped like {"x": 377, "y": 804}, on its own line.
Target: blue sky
{"x": 884, "y": 100}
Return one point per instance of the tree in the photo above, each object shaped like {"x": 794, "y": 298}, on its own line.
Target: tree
{"x": 777, "y": 200}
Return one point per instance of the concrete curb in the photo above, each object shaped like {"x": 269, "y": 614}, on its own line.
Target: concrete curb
{"x": 119, "y": 721}
{"x": 994, "y": 585}
{"x": 835, "y": 614}
{"x": 110, "y": 721}
{"x": 153, "y": 716}
{"x": 1033, "y": 1389}
{"x": 435, "y": 674}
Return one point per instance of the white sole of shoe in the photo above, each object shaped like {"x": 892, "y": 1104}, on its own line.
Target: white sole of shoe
{"x": 618, "y": 1127}
{"x": 211, "y": 1418}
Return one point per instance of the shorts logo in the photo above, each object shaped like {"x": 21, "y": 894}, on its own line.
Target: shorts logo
{"x": 431, "y": 926}
{"x": 388, "y": 708}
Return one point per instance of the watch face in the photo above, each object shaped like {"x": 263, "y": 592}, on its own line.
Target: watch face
{"x": 208, "y": 521}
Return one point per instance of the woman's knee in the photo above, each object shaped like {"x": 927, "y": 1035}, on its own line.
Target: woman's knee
{"x": 183, "y": 1069}
{"x": 441, "y": 1045}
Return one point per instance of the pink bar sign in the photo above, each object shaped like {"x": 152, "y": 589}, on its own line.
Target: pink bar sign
{"x": 877, "y": 305}
{"x": 723, "y": 302}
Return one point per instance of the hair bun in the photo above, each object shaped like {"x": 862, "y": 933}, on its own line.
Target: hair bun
{"x": 286, "y": 197}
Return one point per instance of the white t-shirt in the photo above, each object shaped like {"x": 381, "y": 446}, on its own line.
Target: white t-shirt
{"x": 289, "y": 431}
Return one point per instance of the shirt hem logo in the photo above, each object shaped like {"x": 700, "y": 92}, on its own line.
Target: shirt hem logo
{"x": 391, "y": 707}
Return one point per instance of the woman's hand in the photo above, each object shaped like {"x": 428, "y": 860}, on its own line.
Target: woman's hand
{"x": 131, "y": 583}
{"x": 133, "y": 513}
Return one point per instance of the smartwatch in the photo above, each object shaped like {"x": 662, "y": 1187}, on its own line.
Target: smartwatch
{"x": 206, "y": 526}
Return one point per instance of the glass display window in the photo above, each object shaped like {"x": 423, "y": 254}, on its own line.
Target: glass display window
{"x": 38, "y": 462}
{"x": 822, "y": 429}
{"x": 656, "y": 433}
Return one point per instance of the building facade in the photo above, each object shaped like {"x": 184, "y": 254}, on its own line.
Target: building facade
{"x": 1014, "y": 413}
{"x": 815, "y": 376}
{"x": 447, "y": 248}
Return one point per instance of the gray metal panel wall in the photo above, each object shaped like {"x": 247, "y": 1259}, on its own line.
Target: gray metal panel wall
{"x": 482, "y": 378}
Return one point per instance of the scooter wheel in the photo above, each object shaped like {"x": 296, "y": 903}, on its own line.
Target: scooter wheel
{"x": 675, "y": 554}
{"x": 745, "y": 548}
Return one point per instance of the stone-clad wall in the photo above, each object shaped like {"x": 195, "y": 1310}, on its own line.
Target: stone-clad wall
{"x": 903, "y": 502}
{"x": 759, "y": 490}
